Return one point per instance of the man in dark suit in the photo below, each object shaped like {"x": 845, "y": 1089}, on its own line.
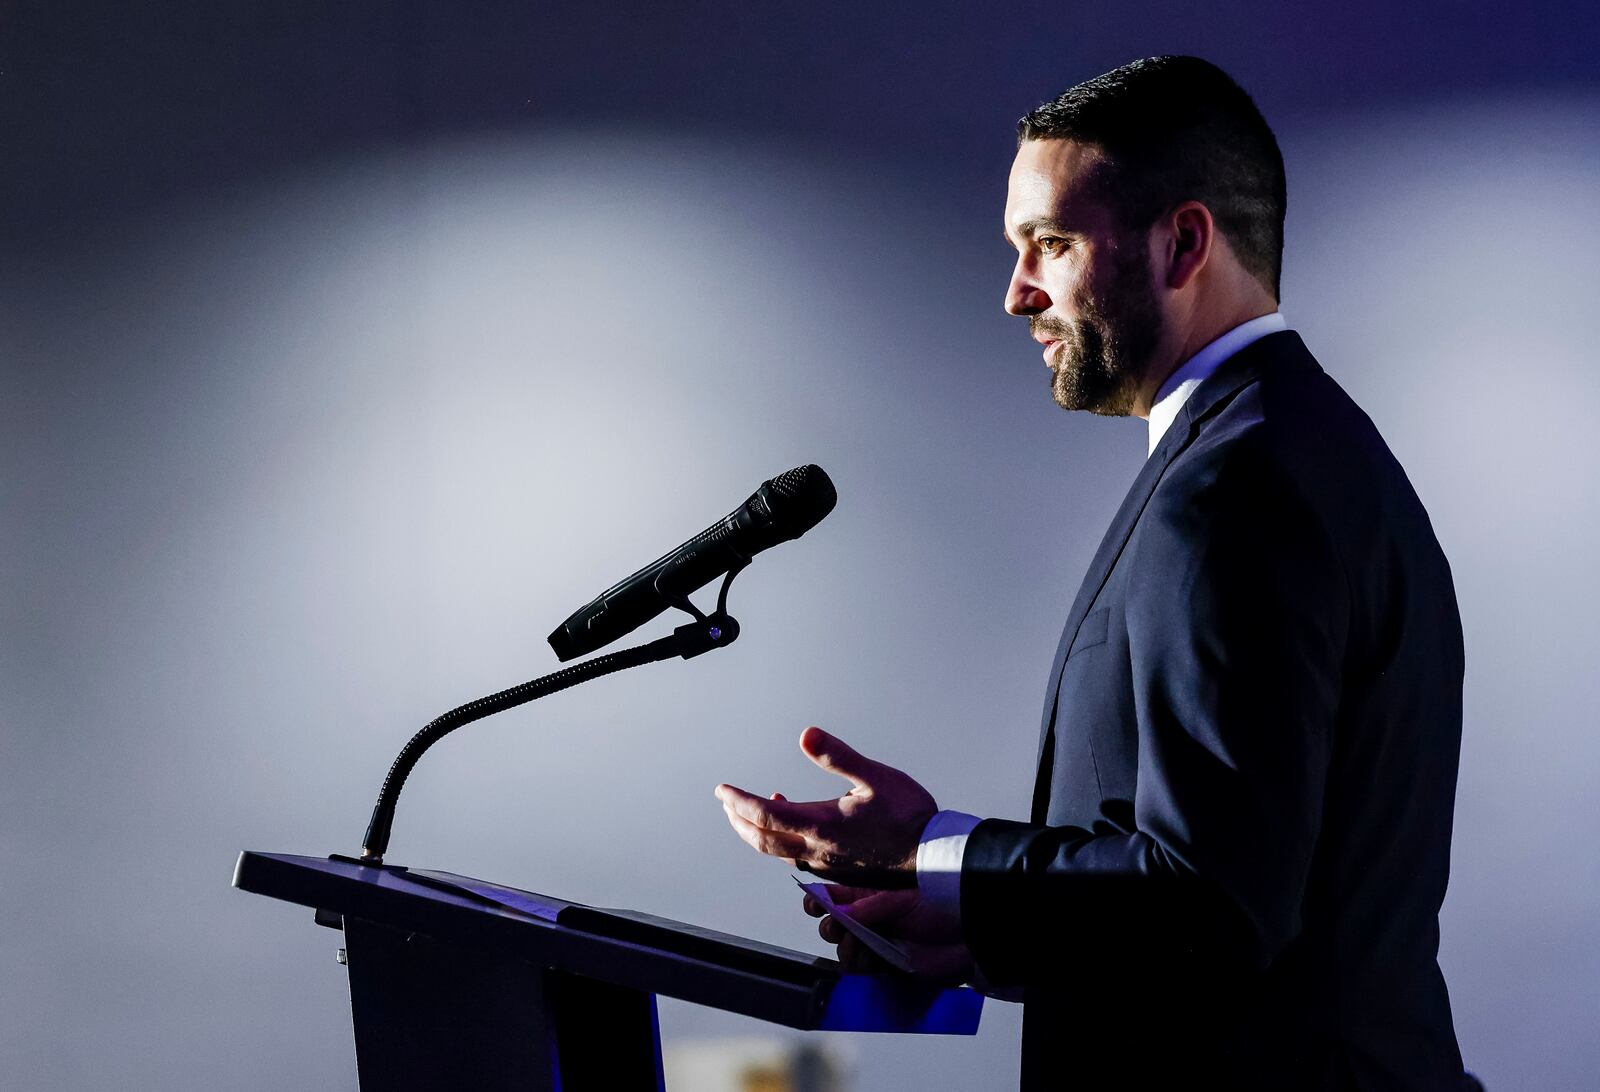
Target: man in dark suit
{"x": 1240, "y": 831}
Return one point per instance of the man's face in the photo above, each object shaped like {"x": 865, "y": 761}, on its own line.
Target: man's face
{"x": 1081, "y": 279}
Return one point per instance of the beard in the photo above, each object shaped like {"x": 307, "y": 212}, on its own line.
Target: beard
{"x": 1101, "y": 357}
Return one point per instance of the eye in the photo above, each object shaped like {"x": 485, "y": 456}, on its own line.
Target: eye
{"x": 1050, "y": 244}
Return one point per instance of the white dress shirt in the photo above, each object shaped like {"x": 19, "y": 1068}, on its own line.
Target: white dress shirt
{"x": 944, "y": 839}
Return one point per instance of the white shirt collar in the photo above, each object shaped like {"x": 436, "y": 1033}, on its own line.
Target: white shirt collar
{"x": 1192, "y": 372}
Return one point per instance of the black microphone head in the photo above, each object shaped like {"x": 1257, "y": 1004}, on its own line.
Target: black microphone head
{"x": 795, "y": 501}
{"x": 782, "y": 508}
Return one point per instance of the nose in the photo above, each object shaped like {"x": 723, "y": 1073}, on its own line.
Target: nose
{"x": 1025, "y": 295}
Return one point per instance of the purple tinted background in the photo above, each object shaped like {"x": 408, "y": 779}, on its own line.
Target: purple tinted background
{"x": 347, "y": 350}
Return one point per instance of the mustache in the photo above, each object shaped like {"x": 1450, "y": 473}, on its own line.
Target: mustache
{"x": 1049, "y": 327}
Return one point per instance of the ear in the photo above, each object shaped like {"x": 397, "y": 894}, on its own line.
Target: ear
{"x": 1191, "y": 233}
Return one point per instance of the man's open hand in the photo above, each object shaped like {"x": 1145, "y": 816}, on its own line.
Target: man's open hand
{"x": 876, "y": 825}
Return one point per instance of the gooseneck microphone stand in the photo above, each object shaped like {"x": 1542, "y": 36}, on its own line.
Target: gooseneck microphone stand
{"x": 706, "y": 632}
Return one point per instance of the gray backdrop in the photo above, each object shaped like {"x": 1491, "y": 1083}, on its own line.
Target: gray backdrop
{"x": 336, "y": 374}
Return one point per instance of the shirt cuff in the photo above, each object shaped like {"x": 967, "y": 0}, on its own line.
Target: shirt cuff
{"x": 944, "y": 841}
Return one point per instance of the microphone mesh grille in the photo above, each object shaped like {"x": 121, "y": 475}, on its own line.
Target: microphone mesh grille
{"x": 806, "y": 494}
{"x": 791, "y": 482}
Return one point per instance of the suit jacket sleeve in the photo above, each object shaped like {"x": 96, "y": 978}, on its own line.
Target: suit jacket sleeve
{"x": 1237, "y": 611}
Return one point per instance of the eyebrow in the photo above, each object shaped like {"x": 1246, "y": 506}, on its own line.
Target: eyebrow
{"x": 1029, "y": 228}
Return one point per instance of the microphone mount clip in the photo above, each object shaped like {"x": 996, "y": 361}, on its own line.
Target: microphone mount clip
{"x": 706, "y": 632}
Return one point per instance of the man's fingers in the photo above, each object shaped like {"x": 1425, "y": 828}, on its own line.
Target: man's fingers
{"x": 774, "y": 814}
{"x": 843, "y": 894}
{"x": 777, "y": 843}
{"x": 836, "y": 756}
{"x": 882, "y": 907}
{"x": 857, "y": 958}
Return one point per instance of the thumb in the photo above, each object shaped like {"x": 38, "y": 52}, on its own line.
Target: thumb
{"x": 837, "y": 756}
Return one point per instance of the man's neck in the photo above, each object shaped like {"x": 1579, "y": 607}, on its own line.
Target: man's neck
{"x": 1190, "y": 341}
{"x": 1175, "y": 392}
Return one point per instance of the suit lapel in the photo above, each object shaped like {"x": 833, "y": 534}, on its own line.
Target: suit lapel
{"x": 1244, "y": 367}
{"x": 1116, "y": 537}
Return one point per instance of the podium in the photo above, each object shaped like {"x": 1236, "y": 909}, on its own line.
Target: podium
{"x": 459, "y": 983}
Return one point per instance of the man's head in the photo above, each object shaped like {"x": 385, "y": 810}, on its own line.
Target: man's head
{"x": 1147, "y": 209}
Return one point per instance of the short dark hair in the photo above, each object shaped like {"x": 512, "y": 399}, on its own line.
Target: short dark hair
{"x": 1176, "y": 129}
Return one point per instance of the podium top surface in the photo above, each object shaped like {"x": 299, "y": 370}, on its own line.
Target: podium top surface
{"x": 625, "y": 947}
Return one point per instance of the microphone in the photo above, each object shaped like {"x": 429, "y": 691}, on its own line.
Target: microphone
{"x": 783, "y": 508}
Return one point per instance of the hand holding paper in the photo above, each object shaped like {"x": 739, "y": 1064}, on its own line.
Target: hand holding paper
{"x": 895, "y": 926}
{"x": 837, "y": 918}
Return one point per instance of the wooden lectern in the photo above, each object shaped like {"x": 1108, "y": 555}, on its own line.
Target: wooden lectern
{"x": 460, "y": 984}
